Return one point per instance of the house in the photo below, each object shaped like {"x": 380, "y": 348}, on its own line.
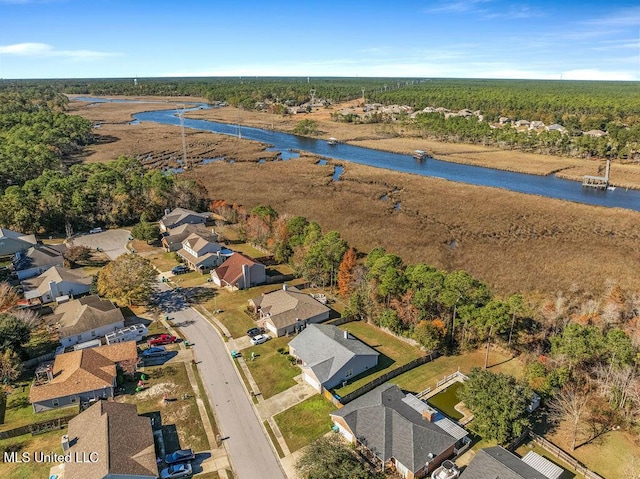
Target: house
{"x": 181, "y": 216}
{"x": 595, "y": 133}
{"x": 119, "y": 441}
{"x": 239, "y": 272}
{"x": 288, "y": 310}
{"x": 498, "y": 462}
{"x": 536, "y": 125}
{"x": 55, "y": 282}
{"x": 36, "y": 260}
{"x": 173, "y": 241}
{"x": 330, "y": 356}
{"x": 85, "y": 319}
{"x": 79, "y": 376}
{"x": 136, "y": 333}
{"x": 12, "y": 241}
{"x": 555, "y": 127}
{"x": 400, "y": 430}
{"x": 200, "y": 254}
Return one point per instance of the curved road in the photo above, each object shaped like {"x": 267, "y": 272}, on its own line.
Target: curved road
{"x": 249, "y": 449}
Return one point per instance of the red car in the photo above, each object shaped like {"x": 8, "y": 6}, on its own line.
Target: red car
{"x": 163, "y": 339}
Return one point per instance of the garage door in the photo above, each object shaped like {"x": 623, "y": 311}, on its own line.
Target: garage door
{"x": 309, "y": 379}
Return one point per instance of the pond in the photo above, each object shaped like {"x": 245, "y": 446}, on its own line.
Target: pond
{"x": 446, "y": 399}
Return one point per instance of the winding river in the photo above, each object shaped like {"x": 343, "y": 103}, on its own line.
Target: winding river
{"x": 549, "y": 186}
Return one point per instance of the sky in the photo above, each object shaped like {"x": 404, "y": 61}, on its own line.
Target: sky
{"x": 560, "y": 39}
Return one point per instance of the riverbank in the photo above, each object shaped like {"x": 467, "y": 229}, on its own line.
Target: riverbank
{"x": 515, "y": 242}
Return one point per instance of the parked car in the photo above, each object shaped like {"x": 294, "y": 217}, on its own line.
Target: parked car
{"x": 254, "y": 332}
{"x": 180, "y": 269}
{"x": 97, "y": 229}
{"x": 176, "y": 471}
{"x": 153, "y": 352}
{"x": 182, "y": 455}
{"x": 259, "y": 339}
{"x": 162, "y": 339}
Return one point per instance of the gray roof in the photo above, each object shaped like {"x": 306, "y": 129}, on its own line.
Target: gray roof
{"x": 324, "y": 349}
{"x": 390, "y": 427}
{"x": 122, "y": 439}
{"x": 497, "y": 462}
{"x": 180, "y": 233}
{"x": 286, "y": 306}
{"x": 39, "y": 255}
{"x": 85, "y": 314}
{"x": 57, "y": 274}
{"x": 181, "y": 214}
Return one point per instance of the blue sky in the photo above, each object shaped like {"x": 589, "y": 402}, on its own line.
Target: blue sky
{"x": 590, "y": 40}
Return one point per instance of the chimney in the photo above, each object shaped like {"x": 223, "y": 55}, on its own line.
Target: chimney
{"x": 53, "y": 288}
{"x": 65, "y": 443}
{"x": 167, "y": 211}
{"x": 428, "y": 414}
{"x": 284, "y": 286}
{"x": 346, "y": 334}
{"x": 246, "y": 275}
{"x": 49, "y": 373}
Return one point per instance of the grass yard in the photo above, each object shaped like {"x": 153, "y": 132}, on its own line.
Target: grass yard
{"x": 305, "y": 422}
{"x": 19, "y": 411}
{"x": 273, "y": 438}
{"x": 271, "y": 370}
{"x": 233, "y": 305}
{"x": 428, "y": 375}
{"x": 162, "y": 260}
{"x": 194, "y": 278}
{"x": 610, "y": 455}
{"x": 247, "y": 250}
{"x": 393, "y": 353}
{"x": 182, "y": 427}
{"x": 142, "y": 247}
{"x": 48, "y": 442}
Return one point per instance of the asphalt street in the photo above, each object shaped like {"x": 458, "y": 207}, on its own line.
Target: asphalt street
{"x": 112, "y": 242}
{"x": 248, "y": 447}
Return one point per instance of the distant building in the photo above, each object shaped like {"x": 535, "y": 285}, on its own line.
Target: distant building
{"x": 56, "y": 282}
{"x": 12, "y": 241}
{"x": 181, "y": 216}
{"x": 173, "y": 241}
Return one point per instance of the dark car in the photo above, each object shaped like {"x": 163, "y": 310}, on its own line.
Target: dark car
{"x": 153, "y": 352}
{"x": 180, "y": 269}
{"x": 163, "y": 339}
{"x": 254, "y": 332}
{"x": 183, "y": 455}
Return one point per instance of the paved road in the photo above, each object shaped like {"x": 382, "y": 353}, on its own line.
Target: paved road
{"x": 112, "y": 242}
{"x": 249, "y": 449}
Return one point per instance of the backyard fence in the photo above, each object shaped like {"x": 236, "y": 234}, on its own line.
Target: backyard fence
{"x": 29, "y": 363}
{"x": 385, "y": 377}
{"x": 554, "y": 450}
{"x": 37, "y": 428}
{"x": 448, "y": 378}
{"x": 339, "y": 321}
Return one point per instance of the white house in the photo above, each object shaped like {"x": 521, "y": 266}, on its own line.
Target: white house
{"x": 55, "y": 282}
{"x": 200, "y": 253}
{"x": 36, "y": 260}
{"x": 85, "y": 319}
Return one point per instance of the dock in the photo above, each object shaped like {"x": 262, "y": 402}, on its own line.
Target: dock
{"x": 598, "y": 182}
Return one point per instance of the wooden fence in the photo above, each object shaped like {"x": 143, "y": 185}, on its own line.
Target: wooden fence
{"x": 555, "y": 451}
{"x": 35, "y": 361}
{"x": 37, "y": 428}
{"x": 384, "y": 378}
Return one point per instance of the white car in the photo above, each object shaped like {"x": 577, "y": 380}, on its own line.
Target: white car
{"x": 259, "y": 339}
{"x": 95, "y": 230}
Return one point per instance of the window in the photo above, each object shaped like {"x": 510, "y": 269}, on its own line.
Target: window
{"x": 79, "y": 337}
{"x": 349, "y": 373}
{"x": 93, "y": 334}
{"x": 55, "y": 402}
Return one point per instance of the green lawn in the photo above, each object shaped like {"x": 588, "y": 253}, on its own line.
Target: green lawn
{"x": 19, "y": 411}
{"x": 273, "y": 438}
{"x": 271, "y": 370}
{"x": 162, "y": 260}
{"x": 180, "y": 416}
{"x": 48, "y": 442}
{"x": 305, "y": 422}
{"x": 247, "y": 250}
{"x": 393, "y": 353}
{"x": 233, "y": 305}
{"x": 194, "y": 278}
{"x": 428, "y": 375}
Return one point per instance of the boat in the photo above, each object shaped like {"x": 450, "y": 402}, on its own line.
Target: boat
{"x": 419, "y": 155}
{"x": 447, "y": 470}
{"x": 332, "y": 141}
{"x": 611, "y": 188}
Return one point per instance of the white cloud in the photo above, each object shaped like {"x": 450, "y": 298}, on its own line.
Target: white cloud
{"x": 594, "y": 74}
{"x": 459, "y": 6}
{"x": 32, "y": 49}
{"x": 621, "y": 18}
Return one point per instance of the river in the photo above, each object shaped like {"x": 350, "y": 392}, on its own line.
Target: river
{"x": 549, "y": 186}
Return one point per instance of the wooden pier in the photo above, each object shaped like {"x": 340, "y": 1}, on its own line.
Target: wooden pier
{"x": 598, "y": 182}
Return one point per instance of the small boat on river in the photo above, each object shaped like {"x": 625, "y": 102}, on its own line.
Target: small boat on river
{"x": 448, "y": 470}
{"x": 420, "y": 155}
{"x": 332, "y": 141}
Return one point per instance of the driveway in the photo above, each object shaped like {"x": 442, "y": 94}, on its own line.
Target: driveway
{"x": 112, "y": 242}
{"x": 249, "y": 449}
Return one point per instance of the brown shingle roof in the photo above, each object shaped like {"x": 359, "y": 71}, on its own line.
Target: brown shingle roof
{"x": 84, "y": 370}
{"x": 122, "y": 439}
{"x": 286, "y": 307}
{"x": 230, "y": 271}
{"x": 85, "y": 314}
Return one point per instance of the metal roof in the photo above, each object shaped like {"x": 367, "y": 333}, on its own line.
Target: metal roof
{"x": 543, "y": 465}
